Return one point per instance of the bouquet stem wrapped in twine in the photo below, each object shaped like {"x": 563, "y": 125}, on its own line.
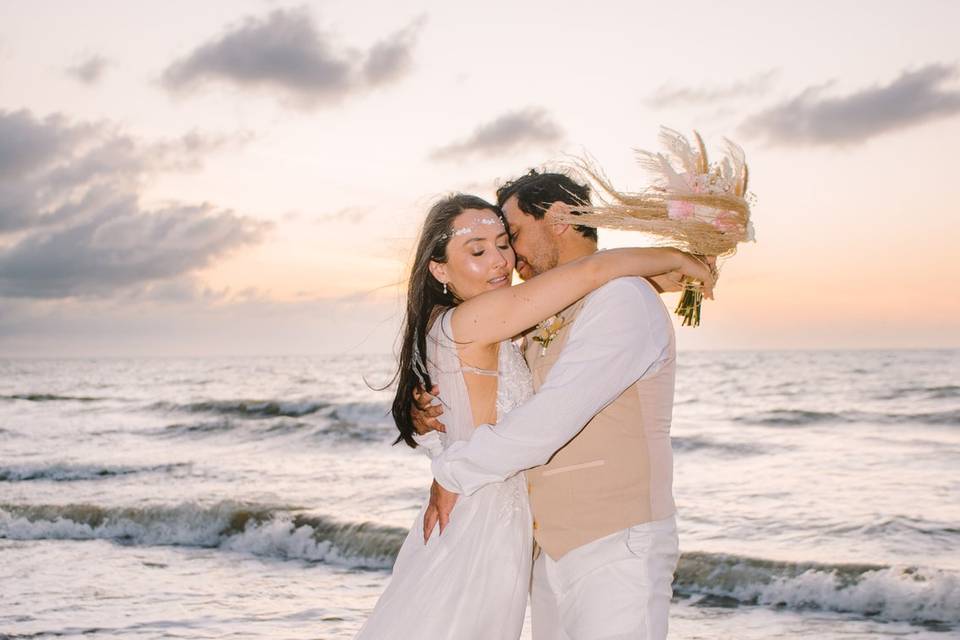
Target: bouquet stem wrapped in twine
{"x": 691, "y": 205}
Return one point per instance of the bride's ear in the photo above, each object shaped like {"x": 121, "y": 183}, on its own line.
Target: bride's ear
{"x": 439, "y": 271}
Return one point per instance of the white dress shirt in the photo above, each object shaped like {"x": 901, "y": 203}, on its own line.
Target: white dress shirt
{"x": 621, "y": 335}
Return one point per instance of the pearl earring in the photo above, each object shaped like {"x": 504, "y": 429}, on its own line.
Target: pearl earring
{"x": 444, "y": 288}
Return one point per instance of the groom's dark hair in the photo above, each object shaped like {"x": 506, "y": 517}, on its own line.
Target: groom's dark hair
{"x": 536, "y": 191}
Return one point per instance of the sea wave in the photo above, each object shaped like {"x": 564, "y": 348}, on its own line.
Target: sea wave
{"x": 731, "y": 449}
{"x": 906, "y": 525}
{"x": 61, "y": 472}
{"x": 790, "y": 417}
{"x": 941, "y": 392}
{"x": 354, "y": 412}
{"x": 252, "y": 409}
{"x": 365, "y": 421}
{"x": 803, "y": 417}
{"x": 907, "y": 594}
{"x": 266, "y": 530}
{"x": 892, "y": 593}
{"x": 48, "y": 397}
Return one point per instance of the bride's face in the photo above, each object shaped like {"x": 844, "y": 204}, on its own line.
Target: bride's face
{"x": 479, "y": 255}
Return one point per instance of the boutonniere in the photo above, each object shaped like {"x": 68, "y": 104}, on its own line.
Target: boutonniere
{"x": 547, "y": 330}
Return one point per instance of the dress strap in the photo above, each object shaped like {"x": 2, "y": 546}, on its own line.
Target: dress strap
{"x": 480, "y": 372}
{"x": 446, "y": 328}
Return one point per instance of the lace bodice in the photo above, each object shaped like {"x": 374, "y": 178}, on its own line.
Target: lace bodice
{"x": 514, "y": 382}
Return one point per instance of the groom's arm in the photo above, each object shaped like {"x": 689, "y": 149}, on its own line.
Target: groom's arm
{"x": 621, "y": 334}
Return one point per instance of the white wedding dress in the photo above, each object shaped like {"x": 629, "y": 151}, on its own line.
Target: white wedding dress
{"x": 472, "y": 582}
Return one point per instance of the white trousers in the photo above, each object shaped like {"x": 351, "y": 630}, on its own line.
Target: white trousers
{"x": 616, "y": 588}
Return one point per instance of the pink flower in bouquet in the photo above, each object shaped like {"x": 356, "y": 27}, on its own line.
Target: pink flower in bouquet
{"x": 679, "y": 210}
{"x": 726, "y": 222}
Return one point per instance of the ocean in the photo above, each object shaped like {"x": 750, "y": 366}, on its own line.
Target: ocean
{"x": 818, "y": 495}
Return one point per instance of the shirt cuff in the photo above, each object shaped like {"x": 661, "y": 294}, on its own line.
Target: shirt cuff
{"x": 429, "y": 443}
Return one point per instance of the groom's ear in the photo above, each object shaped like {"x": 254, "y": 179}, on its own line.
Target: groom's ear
{"x": 439, "y": 271}
{"x": 558, "y": 228}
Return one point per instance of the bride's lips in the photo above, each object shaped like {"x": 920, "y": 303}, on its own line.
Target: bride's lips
{"x": 498, "y": 280}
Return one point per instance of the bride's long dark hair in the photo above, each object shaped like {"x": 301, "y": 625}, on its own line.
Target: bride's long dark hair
{"x": 425, "y": 301}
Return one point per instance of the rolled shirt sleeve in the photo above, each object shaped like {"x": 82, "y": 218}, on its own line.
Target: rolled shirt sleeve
{"x": 429, "y": 443}
{"x": 621, "y": 334}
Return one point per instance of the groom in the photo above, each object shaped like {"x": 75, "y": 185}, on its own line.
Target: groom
{"x": 594, "y": 439}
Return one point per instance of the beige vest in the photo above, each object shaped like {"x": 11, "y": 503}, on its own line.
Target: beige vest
{"x": 617, "y": 472}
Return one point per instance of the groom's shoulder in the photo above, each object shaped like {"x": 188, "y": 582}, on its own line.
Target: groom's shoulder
{"x": 628, "y": 291}
{"x": 627, "y": 300}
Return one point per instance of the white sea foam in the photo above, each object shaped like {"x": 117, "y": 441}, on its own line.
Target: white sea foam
{"x": 912, "y": 594}
{"x": 892, "y": 593}
{"x": 255, "y": 529}
{"x": 282, "y": 537}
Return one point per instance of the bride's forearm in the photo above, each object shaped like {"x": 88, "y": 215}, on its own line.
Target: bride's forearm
{"x": 501, "y": 314}
{"x": 645, "y": 262}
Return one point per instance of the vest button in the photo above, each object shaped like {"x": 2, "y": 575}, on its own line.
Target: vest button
{"x": 535, "y": 525}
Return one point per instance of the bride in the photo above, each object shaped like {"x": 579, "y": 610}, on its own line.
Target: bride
{"x": 471, "y": 582}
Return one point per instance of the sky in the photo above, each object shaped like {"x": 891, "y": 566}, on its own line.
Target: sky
{"x": 248, "y": 177}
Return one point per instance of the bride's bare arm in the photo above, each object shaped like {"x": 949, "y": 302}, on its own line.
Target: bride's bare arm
{"x": 503, "y": 313}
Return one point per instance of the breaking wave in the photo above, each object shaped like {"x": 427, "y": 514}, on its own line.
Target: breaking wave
{"x": 909, "y": 594}
{"x": 274, "y": 531}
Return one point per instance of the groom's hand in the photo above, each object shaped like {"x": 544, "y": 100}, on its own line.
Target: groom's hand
{"x": 424, "y": 413}
{"x": 441, "y": 504}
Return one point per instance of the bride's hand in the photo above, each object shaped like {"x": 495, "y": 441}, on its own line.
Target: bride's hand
{"x": 699, "y": 268}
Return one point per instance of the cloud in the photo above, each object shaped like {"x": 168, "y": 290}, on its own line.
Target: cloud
{"x": 52, "y": 170}
{"x": 812, "y": 118}
{"x": 285, "y": 51}
{"x": 123, "y": 246}
{"x": 392, "y": 57}
{"x": 90, "y": 70}
{"x": 670, "y": 96}
{"x": 353, "y": 215}
{"x": 26, "y": 142}
{"x": 184, "y": 290}
{"x": 513, "y": 130}
{"x": 71, "y": 214}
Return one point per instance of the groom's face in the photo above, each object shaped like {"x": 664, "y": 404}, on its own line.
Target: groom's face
{"x": 533, "y": 241}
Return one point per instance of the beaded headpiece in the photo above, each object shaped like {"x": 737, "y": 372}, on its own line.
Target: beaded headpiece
{"x": 465, "y": 230}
